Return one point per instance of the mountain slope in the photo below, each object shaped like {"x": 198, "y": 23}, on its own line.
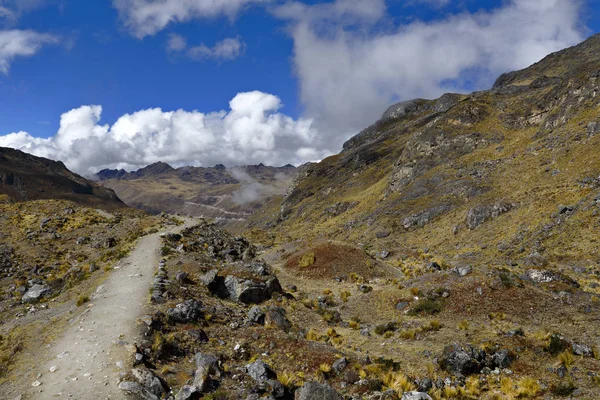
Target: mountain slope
{"x": 479, "y": 177}
{"x": 27, "y": 177}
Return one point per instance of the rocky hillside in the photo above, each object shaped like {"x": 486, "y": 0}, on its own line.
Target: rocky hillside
{"x": 509, "y": 174}
{"x": 217, "y": 192}
{"x": 26, "y": 177}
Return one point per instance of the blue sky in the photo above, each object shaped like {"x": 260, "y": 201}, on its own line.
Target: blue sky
{"x": 306, "y": 75}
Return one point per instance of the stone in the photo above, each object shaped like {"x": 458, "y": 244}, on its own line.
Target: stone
{"x": 188, "y": 311}
{"x": 382, "y": 234}
{"x": 188, "y": 392}
{"x": 181, "y": 276}
{"x": 464, "y": 270}
{"x": 207, "y": 363}
{"x": 582, "y": 350}
{"x": 35, "y": 293}
{"x": 383, "y": 254}
{"x": 339, "y": 365}
{"x": 149, "y": 381}
{"x": 416, "y": 396}
{"x": 136, "y": 389}
{"x": 425, "y": 385}
{"x": 316, "y": 391}
{"x": 260, "y": 371}
{"x": 547, "y": 276}
{"x": 482, "y": 213}
{"x": 502, "y": 358}
{"x": 256, "y": 315}
{"x": 276, "y": 316}
{"x": 457, "y": 359}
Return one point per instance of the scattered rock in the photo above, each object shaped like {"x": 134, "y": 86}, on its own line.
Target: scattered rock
{"x": 150, "y": 382}
{"x": 188, "y": 311}
{"x": 276, "y": 316}
{"x": 339, "y": 365}
{"x": 317, "y": 391}
{"x": 181, "y": 276}
{"x": 256, "y": 315}
{"x": 479, "y": 214}
{"x": 135, "y": 388}
{"x": 207, "y": 364}
{"x": 416, "y": 396}
{"x": 36, "y": 293}
{"x": 260, "y": 371}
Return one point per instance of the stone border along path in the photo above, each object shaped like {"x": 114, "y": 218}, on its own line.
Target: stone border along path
{"x": 86, "y": 361}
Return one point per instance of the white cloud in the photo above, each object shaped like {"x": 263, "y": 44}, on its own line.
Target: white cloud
{"x": 147, "y": 17}
{"x": 176, "y": 42}
{"x": 252, "y": 131}
{"x": 350, "y": 71}
{"x": 226, "y": 49}
{"x": 21, "y": 43}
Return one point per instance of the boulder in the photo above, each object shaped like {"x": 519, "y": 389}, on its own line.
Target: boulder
{"x": 188, "y": 392}
{"x": 547, "y": 276}
{"x": 339, "y": 365}
{"x": 256, "y": 315}
{"x": 188, "y": 311}
{"x": 316, "y": 391}
{"x": 137, "y": 390}
{"x": 207, "y": 364}
{"x": 251, "y": 292}
{"x": 35, "y": 293}
{"x": 150, "y": 382}
{"x": 276, "y": 317}
{"x": 465, "y": 360}
{"x": 260, "y": 371}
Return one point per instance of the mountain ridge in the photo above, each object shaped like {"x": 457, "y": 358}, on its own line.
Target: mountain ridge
{"x": 26, "y": 177}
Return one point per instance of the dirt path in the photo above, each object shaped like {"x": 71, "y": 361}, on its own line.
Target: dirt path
{"x": 90, "y": 355}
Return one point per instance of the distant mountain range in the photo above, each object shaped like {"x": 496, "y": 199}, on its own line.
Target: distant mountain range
{"x": 228, "y": 194}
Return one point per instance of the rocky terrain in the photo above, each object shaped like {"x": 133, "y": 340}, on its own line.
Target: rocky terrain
{"x": 448, "y": 252}
{"x": 229, "y": 195}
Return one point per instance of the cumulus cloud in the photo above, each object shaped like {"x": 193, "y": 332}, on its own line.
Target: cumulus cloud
{"x": 21, "y": 43}
{"x": 348, "y": 76}
{"x": 252, "y": 131}
{"x": 147, "y": 17}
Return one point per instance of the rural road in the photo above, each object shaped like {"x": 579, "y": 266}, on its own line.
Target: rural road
{"x": 89, "y": 356}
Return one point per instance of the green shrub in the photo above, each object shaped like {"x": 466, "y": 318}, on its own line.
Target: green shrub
{"x": 425, "y": 306}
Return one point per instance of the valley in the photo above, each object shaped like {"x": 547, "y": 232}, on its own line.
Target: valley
{"x": 449, "y": 251}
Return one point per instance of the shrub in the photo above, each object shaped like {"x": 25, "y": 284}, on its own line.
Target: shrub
{"x": 564, "y": 388}
{"x": 528, "y": 387}
{"x": 566, "y": 359}
{"x": 306, "y": 260}
{"x": 82, "y": 300}
{"x": 425, "y": 306}
{"x": 344, "y": 295}
{"x": 383, "y": 328}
